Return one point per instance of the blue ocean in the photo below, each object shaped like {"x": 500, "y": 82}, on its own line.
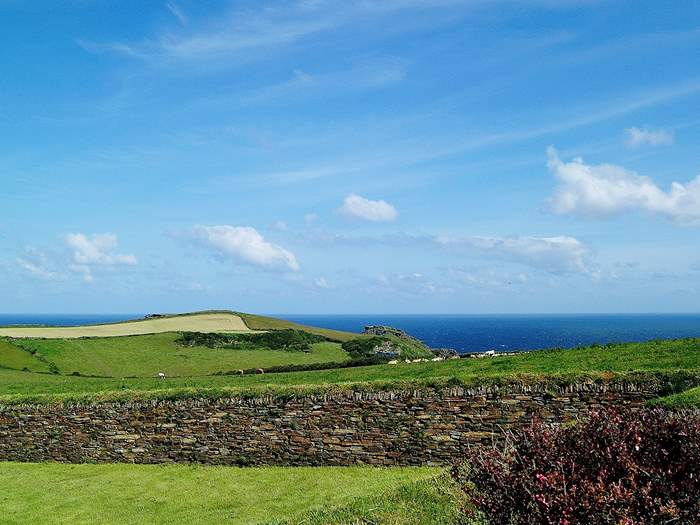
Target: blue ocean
{"x": 478, "y": 333}
{"x": 468, "y": 333}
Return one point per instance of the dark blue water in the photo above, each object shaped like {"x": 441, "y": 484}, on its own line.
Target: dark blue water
{"x": 467, "y": 333}
{"x": 477, "y": 333}
{"x": 64, "y": 319}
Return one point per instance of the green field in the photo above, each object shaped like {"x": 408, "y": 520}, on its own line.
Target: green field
{"x": 45, "y": 370}
{"x": 652, "y": 356}
{"x": 156, "y": 494}
{"x": 146, "y": 355}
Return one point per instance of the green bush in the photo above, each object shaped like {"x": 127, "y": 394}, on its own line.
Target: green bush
{"x": 363, "y": 347}
{"x": 393, "y": 348}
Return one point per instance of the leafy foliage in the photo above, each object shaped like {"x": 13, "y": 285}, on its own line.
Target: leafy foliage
{"x": 614, "y": 467}
{"x": 289, "y": 340}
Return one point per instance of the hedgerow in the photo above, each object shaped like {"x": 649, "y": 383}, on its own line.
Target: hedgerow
{"x": 290, "y": 340}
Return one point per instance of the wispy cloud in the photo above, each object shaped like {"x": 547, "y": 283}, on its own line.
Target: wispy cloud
{"x": 558, "y": 255}
{"x": 419, "y": 150}
{"x": 284, "y": 23}
{"x": 412, "y": 283}
{"x": 637, "y": 137}
{"x": 373, "y": 74}
{"x": 233, "y": 33}
{"x": 177, "y": 12}
{"x": 36, "y": 265}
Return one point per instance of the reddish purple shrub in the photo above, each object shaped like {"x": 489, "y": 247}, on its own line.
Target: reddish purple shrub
{"x": 612, "y": 467}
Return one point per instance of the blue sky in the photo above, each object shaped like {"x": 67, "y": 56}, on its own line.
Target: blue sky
{"x": 319, "y": 156}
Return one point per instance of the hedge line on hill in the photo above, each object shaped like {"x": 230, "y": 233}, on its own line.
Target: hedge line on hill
{"x": 287, "y": 340}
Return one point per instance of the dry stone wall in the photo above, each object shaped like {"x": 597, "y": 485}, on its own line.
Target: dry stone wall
{"x": 399, "y": 427}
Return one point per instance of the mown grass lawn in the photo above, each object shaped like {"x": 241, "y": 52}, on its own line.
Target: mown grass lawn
{"x": 146, "y": 355}
{"x": 655, "y": 355}
{"x": 32, "y": 493}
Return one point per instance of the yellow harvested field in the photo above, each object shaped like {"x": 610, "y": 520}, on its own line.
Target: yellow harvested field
{"x": 209, "y": 322}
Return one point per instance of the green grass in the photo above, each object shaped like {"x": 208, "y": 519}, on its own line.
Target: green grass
{"x": 688, "y": 399}
{"x": 146, "y": 355}
{"x": 434, "y": 501}
{"x": 11, "y": 356}
{"x": 652, "y": 356}
{"x": 175, "y": 494}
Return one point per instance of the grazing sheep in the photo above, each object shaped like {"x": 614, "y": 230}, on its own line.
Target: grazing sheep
{"x": 393, "y": 362}
{"x": 260, "y": 371}
{"x": 240, "y": 372}
{"x": 161, "y": 375}
{"x": 436, "y": 359}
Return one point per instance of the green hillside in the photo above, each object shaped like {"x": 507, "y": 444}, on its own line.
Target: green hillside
{"x": 147, "y": 355}
{"x": 671, "y": 355}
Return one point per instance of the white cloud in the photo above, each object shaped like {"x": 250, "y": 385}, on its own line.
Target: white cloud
{"x": 360, "y": 208}
{"x": 310, "y": 218}
{"x": 605, "y": 189}
{"x": 557, "y": 255}
{"x": 96, "y": 249}
{"x": 246, "y": 245}
{"x": 636, "y": 137}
